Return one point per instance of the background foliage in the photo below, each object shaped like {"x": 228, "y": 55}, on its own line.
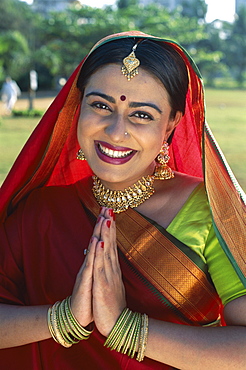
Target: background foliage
{"x": 54, "y": 44}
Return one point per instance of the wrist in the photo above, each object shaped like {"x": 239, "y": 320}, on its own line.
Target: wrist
{"x": 64, "y": 327}
{"x": 129, "y": 334}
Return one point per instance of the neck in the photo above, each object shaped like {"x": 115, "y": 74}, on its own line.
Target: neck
{"x": 129, "y": 183}
{"x": 121, "y": 200}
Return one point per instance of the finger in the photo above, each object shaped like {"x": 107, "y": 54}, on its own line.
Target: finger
{"x": 102, "y": 211}
{"x": 84, "y": 279}
{"x": 97, "y": 227}
{"x": 111, "y": 260}
{"x": 109, "y": 213}
{"x": 89, "y": 257}
{"x": 108, "y": 235}
{"x": 105, "y": 213}
{"x": 99, "y": 267}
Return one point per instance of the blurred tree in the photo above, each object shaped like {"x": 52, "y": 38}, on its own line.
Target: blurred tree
{"x": 14, "y": 52}
{"x": 235, "y": 47}
{"x": 121, "y": 4}
{"x": 17, "y": 16}
{"x": 211, "y": 59}
{"x": 17, "y": 37}
{"x": 82, "y": 26}
{"x": 54, "y": 44}
{"x": 194, "y": 8}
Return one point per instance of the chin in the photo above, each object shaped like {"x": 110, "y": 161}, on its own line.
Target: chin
{"x": 114, "y": 175}
{"x": 112, "y": 178}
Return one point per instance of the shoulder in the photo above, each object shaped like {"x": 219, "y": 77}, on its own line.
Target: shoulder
{"x": 51, "y": 192}
{"x": 170, "y": 197}
{"x": 178, "y": 189}
{"x": 49, "y": 198}
{"x": 183, "y": 184}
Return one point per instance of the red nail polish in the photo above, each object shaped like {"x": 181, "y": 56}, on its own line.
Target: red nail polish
{"x": 102, "y": 245}
{"x": 108, "y": 223}
{"x": 100, "y": 209}
{"x": 91, "y": 239}
{"x": 98, "y": 220}
{"x": 111, "y": 213}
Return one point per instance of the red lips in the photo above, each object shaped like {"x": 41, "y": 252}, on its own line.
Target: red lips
{"x": 113, "y": 160}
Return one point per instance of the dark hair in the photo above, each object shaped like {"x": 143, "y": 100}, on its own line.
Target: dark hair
{"x": 158, "y": 58}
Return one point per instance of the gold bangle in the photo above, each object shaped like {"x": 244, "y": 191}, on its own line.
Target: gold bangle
{"x": 66, "y": 335}
{"x": 143, "y": 340}
{"x": 115, "y": 332}
{"x": 129, "y": 343}
{"x": 129, "y": 334}
{"x": 56, "y": 329}
{"x": 118, "y": 331}
{"x": 135, "y": 340}
{"x": 125, "y": 331}
{"x": 74, "y": 322}
{"x": 63, "y": 326}
{"x": 50, "y": 325}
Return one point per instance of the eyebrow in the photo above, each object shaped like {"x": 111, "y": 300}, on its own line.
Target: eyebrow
{"x": 104, "y": 96}
{"x": 131, "y": 105}
{"x": 138, "y": 105}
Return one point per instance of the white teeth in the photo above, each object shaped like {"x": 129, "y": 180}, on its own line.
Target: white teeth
{"x": 114, "y": 153}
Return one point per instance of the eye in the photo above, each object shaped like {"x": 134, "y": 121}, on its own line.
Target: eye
{"x": 143, "y": 116}
{"x": 100, "y": 106}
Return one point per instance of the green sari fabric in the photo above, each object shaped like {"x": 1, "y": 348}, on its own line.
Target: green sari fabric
{"x": 193, "y": 226}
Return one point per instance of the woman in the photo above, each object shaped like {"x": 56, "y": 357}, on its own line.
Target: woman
{"x": 156, "y": 302}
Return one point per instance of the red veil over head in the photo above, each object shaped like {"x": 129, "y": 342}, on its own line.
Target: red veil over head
{"x": 49, "y": 157}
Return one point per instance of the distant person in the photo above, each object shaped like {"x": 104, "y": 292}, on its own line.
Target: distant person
{"x": 10, "y": 92}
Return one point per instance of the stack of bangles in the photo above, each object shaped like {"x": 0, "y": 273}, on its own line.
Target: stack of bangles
{"x": 63, "y": 326}
{"x": 128, "y": 336}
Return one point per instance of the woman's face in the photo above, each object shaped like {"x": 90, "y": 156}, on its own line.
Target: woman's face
{"x": 123, "y": 124}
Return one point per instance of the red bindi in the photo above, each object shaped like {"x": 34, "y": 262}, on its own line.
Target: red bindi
{"x": 123, "y": 98}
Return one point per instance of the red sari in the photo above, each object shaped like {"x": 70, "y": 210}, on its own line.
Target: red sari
{"x": 43, "y": 270}
{"x": 42, "y": 240}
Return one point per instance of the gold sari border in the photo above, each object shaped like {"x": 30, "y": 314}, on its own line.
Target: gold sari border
{"x": 227, "y": 203}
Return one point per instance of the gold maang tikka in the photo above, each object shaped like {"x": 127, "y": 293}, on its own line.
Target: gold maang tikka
{"x": 130, "y": 64}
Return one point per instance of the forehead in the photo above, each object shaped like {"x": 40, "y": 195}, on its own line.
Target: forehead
{"x": 109, "y": 79}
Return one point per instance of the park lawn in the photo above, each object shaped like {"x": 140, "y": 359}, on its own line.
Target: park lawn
{"x": 13, "y": 134}
{"x": 226, "y": 115}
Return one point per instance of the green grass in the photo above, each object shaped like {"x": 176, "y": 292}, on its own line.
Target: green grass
{"x": 226, "y": 115}
{"x": 13, "y": 134}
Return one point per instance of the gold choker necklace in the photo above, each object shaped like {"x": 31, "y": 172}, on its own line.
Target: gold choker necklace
{"x": 121, "y": 200}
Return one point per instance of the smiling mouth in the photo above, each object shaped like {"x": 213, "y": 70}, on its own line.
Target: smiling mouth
{"x": 114, "y": 153}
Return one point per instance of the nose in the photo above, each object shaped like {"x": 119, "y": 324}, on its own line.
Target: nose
{"x": 116, "y": 129}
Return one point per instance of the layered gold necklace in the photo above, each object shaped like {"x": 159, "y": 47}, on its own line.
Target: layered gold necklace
{"x": 121, "y": 200}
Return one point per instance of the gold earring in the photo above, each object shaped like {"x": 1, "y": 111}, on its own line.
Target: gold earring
{"x": 162, "y": 170}
{"x": 81, "y": 155}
